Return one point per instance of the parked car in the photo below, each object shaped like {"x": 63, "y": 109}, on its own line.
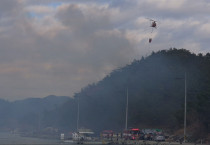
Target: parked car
{"x": 141, "y": 136}
{"x": 149, "y": 136}
{"x": 159, "y": 137}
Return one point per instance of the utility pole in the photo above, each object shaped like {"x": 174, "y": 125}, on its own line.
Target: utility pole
{"x": 126, "y": 119}
{"x": 185, "y": 106}
{"x": 78, "y": 115}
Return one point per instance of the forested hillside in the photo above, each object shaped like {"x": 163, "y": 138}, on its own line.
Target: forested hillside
{"x": 156, "y": 91}
{"x": 26, "y": 115}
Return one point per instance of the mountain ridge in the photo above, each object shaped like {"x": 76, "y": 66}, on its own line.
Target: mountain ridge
{"x": 156, "y": 86}
{"x": 156, "y": 89}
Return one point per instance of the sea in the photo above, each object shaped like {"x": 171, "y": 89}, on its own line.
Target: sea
{"x": 10, "y": 139}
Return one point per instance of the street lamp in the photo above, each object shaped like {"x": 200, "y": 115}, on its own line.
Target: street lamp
{"x": 78, "y": 115}
{"x": 185, "y": 105}
{"x": 126, "y": 117}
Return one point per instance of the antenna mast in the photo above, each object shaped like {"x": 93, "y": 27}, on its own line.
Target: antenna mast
{"x": 126, "y": 119}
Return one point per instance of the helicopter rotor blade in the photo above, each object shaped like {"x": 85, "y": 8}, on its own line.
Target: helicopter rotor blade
{"x": 151, "y": 19}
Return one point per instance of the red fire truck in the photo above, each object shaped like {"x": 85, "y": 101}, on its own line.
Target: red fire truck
{"x": 107, "y": 134}
{"x": 132, "y": 134}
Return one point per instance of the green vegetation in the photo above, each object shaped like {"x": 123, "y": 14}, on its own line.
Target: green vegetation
{"x": 27, "y": 115}
{"x": 156, "y": 97}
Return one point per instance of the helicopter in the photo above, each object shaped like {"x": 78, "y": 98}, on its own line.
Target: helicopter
{"x": 153, "y": 25}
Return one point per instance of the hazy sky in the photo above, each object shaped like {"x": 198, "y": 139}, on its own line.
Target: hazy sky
{"x": 59, "y": 46}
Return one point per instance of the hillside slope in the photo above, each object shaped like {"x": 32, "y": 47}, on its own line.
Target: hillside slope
{"x": 28, "y": 113}
{"x": 156, "y": 93}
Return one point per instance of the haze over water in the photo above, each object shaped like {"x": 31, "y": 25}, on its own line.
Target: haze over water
{"x": 8, "y": 138}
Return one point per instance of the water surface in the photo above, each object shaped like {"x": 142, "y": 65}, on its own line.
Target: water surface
{"x": 9, "y": 138}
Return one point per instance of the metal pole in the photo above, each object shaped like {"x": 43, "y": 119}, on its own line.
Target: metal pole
{"x": 126, "y": 119}
{"x": 185, "y": 107}
{"x": 39, "y": 121}
{"x": 78, "y": 116}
